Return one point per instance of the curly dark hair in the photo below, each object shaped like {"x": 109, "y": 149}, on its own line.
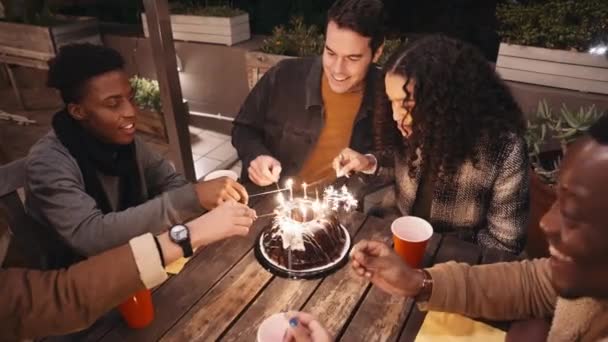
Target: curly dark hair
{"x": 599, "y": 130}
{"x": 366, "y": 17}
{"x": 461, "y": 105}
{"x": 75, "y": 64}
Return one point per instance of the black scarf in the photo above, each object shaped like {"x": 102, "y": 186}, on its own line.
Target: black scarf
{"x": 94, "y": 156}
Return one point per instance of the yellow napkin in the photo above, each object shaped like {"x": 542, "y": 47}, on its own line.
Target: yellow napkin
{"x": 176, "y": 266}
{"x": 442, "y": 326}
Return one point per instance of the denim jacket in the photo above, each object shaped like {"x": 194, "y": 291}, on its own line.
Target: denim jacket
{"x": 284, "y": 114}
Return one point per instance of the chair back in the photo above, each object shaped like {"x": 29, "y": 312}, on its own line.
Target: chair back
{"x": 22, "y": 227}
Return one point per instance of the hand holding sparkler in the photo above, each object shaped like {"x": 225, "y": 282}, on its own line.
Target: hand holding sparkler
{"x": 349, "y": 161}
{"x": 264, "y": 170}
{"x": 214, "y": 192}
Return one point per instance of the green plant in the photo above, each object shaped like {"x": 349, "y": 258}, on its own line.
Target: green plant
{"x": 390, "y": 45}
{"x": 33, "y": 12}
{"x": 206, "y": 8}
{"x": 301, "y": 40}
{"x": 298, "y": 39}
{"x": 146, "y": 93}
{"x": 556, "y": 24}
{"x": 547, "y": 128}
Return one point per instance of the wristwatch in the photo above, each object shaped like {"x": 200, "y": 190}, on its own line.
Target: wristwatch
{"x": 180, "y": 234}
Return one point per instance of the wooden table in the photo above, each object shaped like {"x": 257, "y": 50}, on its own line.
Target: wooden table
{"x": 224, "y": 294}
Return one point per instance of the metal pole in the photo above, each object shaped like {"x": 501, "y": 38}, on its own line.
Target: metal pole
{"x": 175, "y": 111}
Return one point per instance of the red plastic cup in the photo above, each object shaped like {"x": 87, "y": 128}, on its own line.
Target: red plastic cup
{"x": 138, "y": 310}
{"x": 411, "y": 234}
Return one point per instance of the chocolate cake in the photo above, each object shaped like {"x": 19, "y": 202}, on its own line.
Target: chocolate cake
{"x": 305, "y": 237}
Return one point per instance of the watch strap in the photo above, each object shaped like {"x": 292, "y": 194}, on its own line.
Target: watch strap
{"x": 186, "y": 247}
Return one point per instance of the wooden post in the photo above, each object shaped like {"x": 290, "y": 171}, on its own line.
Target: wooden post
{"x": 174, "y": 110}
{"x": 13, "y": 81}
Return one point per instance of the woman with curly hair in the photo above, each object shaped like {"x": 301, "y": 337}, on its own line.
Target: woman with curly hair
{"x": 461, "y": 162}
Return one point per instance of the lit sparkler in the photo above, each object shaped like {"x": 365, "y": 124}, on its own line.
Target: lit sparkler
{"x": 297, "y": 219}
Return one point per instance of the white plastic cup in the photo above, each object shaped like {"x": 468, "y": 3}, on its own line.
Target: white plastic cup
{"x": 273, "y": 328}
{"x": 221, "y": 173}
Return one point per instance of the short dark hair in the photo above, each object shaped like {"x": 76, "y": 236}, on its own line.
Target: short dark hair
{"x": 75, "y": 64}
{"x": 366, "y": 17}
{"x": 599, "y": 130}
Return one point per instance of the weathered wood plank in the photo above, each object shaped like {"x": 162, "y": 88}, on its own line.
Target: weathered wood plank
{"x": 492, "y": 255}
{"x": 339, "y": 294}
{"x": 213, "y": 313}
{"x": 26, "y": 62}
{"x": 281, "y": 294}
{"x": 451, "y": 248}
{"x": 552, "y": 55}
{"x": 204, "y": 270}
{"x": 381, "y": 316}
{"x": 25, "y": 53}
{"x": 588, "y": 86}
{"x": 26, "y": 38}
{"x": 37, "y": 42}
{"x": 555, "y": 68}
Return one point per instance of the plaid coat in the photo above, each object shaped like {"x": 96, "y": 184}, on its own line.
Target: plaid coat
{"x": 488, "y": 205}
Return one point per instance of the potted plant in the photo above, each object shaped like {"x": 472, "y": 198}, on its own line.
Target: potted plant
{"x": 548, "y": 135}
{"x": 31, "y": 34}
{"x": 554, "y": 43}
{"x": 217, "y": 22}
{"x": 147, "y": 96}
{"x": 295, "y": 40}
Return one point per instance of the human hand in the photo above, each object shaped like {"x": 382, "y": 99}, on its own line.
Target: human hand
{"x": 214, "y": 192}
{"x": 350, "y": 160}
{"x": 228, "y": 219}
{"x": 264, "y": 170}
{"x": 303, "y": 327}
{"x": 385, "y": 269}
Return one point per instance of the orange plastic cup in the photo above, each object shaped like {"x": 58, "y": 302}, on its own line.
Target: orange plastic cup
{"x": 411, "y": 234}
{"x": 138, "y": 311}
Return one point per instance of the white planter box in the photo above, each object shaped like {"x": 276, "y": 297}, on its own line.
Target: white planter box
{"x": 554, "y": 68}
{"x": 33, "y": 46}
{"x": 218, "y": 30}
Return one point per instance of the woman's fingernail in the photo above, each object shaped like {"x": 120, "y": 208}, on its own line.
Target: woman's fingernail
{"x": 293, "y": 322}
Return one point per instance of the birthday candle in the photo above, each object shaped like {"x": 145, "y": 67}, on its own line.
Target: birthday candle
{"x": 280, "y": 199}
{"x": 304, "y": 185}
{"x": 289, "y": 184}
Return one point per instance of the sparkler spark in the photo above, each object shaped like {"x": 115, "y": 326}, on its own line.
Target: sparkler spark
{"x": 298, "y": 219}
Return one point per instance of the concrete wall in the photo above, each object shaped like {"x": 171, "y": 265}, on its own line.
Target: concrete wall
{"x": 213, "y": 77}
{"x": 528, "y": 96}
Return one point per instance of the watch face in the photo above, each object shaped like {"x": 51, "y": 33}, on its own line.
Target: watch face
{"x": 179, "y": 233}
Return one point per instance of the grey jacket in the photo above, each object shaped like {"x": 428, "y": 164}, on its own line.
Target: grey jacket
{"x": 487, "y": 205}
{"x": 56, "y": 197}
